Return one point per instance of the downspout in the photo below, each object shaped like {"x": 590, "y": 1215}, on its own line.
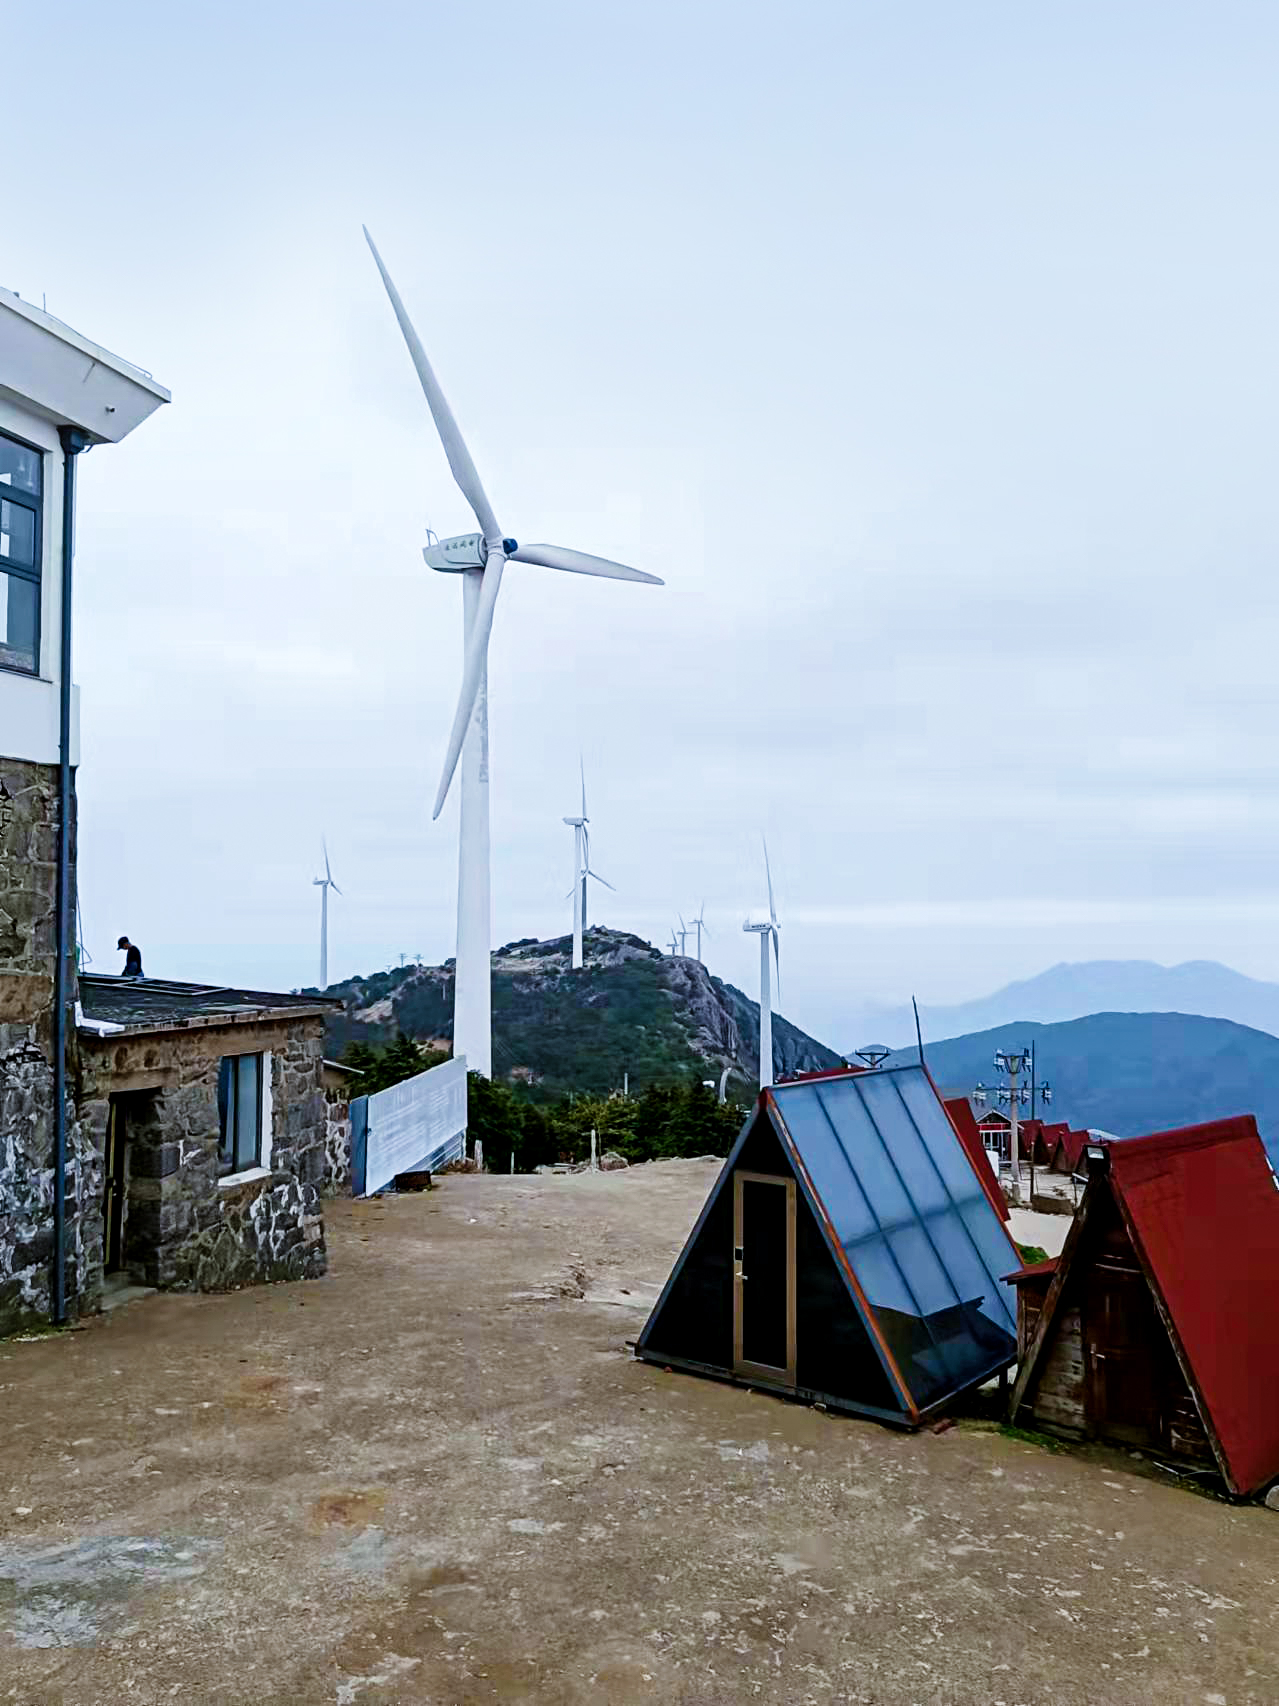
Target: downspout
{"x": 73, "y": 442}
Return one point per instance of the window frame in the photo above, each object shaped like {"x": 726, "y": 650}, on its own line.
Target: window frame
{"x": 20, "y": 571}
{"x": 229, "y": 1113}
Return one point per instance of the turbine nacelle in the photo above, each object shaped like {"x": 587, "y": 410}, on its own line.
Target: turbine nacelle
{"x": 464, "y": 551}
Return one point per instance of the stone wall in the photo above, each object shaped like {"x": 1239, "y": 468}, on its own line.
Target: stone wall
{"x": 185, "y": 1226}
{"x": 28, "y": 961}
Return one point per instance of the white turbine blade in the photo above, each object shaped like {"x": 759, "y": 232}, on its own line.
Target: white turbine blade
{"x": 589, "y": 873}
{"x": 582, "y": 762}
{"x": 472, "y": 670}
{"x": 464, "y": 471}
{"x": 772, "y": 910}
{"x": 334, "y": 886}
{"x": 581, "y": 563}
{"x": 328, "y": 874}
{"x": 777, "y": 960}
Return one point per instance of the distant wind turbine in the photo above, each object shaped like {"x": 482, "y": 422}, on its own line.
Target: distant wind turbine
{"x": 683, "y": 934}
{"x": 480, "y": 559}
{"x": 700, "y": 924}
{"x": 674, "y": 943}
{"x": 324, "y": 884}
{"x": 581, "y": 870}
{"x": 766, "y": 929}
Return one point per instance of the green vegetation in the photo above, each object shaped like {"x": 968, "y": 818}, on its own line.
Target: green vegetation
{"x": 680, "y": 1120}
{"x": 1030, "y": 1254}
{"x": 630, "y": 1013}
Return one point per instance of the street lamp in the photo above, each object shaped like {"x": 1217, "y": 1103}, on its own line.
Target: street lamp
{"x": 1012, "y": 1063}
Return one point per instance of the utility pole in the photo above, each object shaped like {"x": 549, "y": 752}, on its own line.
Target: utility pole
{"x": 1013, "y": 1062}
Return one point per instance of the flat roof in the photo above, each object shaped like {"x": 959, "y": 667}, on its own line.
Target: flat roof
{"x": 151, "y": 1003}
{"x": 68, "y": 334}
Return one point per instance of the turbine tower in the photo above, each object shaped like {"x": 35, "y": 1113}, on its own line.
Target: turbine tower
{"x": 581, "y": 870}
{"x": 480, "y": 559}
{"x": 324, "y": 884}
{"x": 766, "y": 928}
{"x": 700, "y": 924}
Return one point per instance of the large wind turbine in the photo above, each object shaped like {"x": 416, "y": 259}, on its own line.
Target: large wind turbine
{"x": 480, "y": 559}
{"x": 581, "y": 871}
{"x": 766, "y": 928}
{"x": 700, "y": 924}
{"x": 325, "y": 883}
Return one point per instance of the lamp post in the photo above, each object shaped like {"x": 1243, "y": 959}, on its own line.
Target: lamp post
{"x": 1012, "y": 1062}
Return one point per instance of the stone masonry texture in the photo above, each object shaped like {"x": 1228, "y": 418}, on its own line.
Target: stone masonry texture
{"x": 184, "y": 1226}
{"x": 28, "y": 877}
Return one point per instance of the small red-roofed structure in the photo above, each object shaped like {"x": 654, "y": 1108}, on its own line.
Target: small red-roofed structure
{"x": 1157, "y": 1326}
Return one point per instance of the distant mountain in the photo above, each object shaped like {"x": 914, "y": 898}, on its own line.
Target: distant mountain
{"x": 660, "y": 1018}
{"x": 1199, "y": 987}
{"x": 1130, "y": 1073}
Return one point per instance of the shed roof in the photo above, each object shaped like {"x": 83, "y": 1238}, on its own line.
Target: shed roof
{"x": 1202, "y": 1209}
{"x": 964, "y": 1121}
{"x": 151, "y": 1002}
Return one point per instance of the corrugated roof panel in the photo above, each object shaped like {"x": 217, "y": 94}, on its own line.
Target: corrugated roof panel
{"x": 1204, "y": 1211}
{"x": 922, "y": 1237}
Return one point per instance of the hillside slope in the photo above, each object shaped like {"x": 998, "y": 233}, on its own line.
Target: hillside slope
{"x": 660, "y": 1018}
{"x": 1129, "y": 1073}
{"x": 1073, "y": 991}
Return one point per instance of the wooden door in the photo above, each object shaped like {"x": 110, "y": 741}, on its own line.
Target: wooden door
{"x": 113, "y": 1188}
{"x": 1122, "y": 1337}
{"x": 764, "y": 1330}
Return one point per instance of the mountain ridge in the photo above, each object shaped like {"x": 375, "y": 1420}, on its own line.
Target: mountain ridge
{"x": 1075, "y": 989}
{"x": 1128, "y": 1073}
{"x": 631, "y": 1010}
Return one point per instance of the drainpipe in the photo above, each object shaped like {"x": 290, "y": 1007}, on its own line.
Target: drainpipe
{"x": 73, "y": 442}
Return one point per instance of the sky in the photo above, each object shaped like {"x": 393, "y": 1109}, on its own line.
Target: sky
{"x": 928, "y": 352}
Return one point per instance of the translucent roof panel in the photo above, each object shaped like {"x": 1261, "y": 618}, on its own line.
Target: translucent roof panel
{"x": 923, "y": 1240}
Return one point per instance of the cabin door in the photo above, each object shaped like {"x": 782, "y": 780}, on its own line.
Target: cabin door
{"x": 764, "y": 1277}
{"x": 1122, "y": 1339}
{"x": 114, "y": 1185}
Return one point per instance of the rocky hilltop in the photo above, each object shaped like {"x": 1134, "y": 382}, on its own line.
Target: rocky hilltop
{"x": 661, "y": 1019}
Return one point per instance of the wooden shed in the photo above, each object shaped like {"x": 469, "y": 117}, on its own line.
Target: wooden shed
{"x": 1155, "y": 1327}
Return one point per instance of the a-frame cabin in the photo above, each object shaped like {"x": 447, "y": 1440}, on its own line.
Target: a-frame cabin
{"x": 1156, "y": 1326}
{"x": 849, "y": 1254}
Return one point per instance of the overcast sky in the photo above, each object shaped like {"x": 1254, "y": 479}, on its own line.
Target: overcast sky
{"x": 928, "y": 352}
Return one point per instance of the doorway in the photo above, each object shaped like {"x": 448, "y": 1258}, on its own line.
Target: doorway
{"x": 115, "y": 1185}
{"x": 1122, "y": 1336}
{"x": 764, "y": 1277}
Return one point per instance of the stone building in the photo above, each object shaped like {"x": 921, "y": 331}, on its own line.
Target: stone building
{"x": 208, "y": 1109}
{"x": 60, "y": 395}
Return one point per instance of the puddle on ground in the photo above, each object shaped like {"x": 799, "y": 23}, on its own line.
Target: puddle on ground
{"x": 67, "y": 1596}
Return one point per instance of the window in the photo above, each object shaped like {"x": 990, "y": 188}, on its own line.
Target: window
{"x": 240, "y": 1112}
{"x": 20, "y": 500}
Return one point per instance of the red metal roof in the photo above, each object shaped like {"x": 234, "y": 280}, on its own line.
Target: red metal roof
{"x": 1036, "y": 1270}
{"x": 1203, "y": 1210}
{"x": 961, "y": 1117}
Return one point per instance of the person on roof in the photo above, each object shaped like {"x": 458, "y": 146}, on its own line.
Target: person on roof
{"x": 132, "y": 958}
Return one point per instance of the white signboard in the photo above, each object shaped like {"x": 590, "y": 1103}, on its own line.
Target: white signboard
{"x": 415, "y": 1126}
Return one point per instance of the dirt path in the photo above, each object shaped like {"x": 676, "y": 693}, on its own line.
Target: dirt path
{"x": 437, "y": 1476}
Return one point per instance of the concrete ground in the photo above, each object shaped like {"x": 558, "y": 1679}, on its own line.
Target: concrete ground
{"x": 437, "y": 1476}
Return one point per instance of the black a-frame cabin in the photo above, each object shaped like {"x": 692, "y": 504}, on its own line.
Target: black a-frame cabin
{"x": 848, "y": 1254}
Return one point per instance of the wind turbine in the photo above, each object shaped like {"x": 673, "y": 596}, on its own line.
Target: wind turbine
{"x": 324, "y": 884}
{"x": 674, "y": 943}
{"x": 766, "y": 928}
{"x": 700, "y": 924}
{"x": 480, "y": 559}
{"x": 581, "y": 870}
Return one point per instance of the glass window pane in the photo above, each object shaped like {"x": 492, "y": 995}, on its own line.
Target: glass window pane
{"x": 19, "y": 467}
{"x": 863, "y": 1149}
{"x": 19, "y": 620}
{"x": 17, "y": 534}
{"x": 246, "y": 1111}
{"x": 226, "y": 1114}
